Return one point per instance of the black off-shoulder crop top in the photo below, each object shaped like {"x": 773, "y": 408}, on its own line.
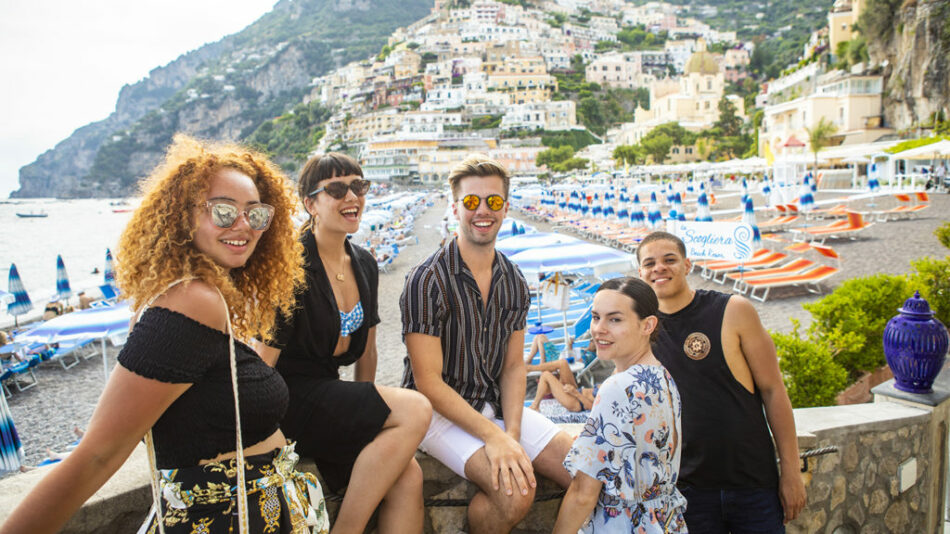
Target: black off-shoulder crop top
{"x": 170, "y": 347}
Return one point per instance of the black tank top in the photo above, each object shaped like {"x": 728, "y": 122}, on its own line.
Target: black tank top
{"x": 726, "y": 440}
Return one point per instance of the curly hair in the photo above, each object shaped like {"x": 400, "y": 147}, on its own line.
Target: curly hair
{"x": 157, "y": 246}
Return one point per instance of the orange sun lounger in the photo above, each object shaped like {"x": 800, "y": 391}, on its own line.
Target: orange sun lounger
{"x": 711, "y": 271}
{"x": 793, "y": 267}
{"x": 810, "y": 279}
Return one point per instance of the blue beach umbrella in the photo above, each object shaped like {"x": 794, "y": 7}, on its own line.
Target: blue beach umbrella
{"x": 597, "y": 209}
{"x": 11, "y": 450}
{"x": 702, "y": 209}
{"x": 576, "y": 256}
{"x": 676, "y": 214}
{"x": 515, "y": 244}
{"x": 767, "y": 191}
{"x": 873, "y": 184}
{"x": 748, "y": 217}
{"x": 654, "y": 217}
{"x": 636, "y": 212}
{"x": 63, "y": 292}
{"x": 806, "y": 200}
{"x": 108, "y": 274}
{"x": 21, "y": 301}
{"x": 745, "y": 191}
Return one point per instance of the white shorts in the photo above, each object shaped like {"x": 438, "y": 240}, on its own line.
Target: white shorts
{"x": 450, "y": 444}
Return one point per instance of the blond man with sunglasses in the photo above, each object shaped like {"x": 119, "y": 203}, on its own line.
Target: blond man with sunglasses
{"x": 463, "y": 316}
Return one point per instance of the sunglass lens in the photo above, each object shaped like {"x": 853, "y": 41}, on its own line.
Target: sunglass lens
{"x": 471, "y": 202}
{"x": 223, "y": 215}
{"x": 360, "y": 187}
{"x": 259, "y": 218}
{"x": 495, "y": 202}
{"x": 336, "y": 190}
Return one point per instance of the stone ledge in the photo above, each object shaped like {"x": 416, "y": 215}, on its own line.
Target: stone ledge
{"x": 121, "y": 504}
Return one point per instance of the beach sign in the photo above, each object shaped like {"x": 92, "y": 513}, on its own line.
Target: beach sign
{"x": 731, "y": 241}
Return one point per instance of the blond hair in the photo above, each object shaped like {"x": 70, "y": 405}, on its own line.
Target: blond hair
{"x": 478, "y": 165}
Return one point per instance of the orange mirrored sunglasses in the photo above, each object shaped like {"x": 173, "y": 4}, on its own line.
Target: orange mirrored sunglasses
{"x": 494, "y": 202}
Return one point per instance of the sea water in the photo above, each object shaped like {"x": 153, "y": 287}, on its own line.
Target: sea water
{"x": 79, "y": 230}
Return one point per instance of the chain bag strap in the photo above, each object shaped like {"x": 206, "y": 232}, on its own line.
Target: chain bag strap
{"x": 239, "y": 447}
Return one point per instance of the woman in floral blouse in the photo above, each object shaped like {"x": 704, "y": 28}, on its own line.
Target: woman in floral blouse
{"x": 626, "y": 461}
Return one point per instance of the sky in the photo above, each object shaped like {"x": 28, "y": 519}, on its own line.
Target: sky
{"x": 63, "y": 62}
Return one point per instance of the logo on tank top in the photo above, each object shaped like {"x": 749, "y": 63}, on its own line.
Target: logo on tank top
{"x": 697, "y": 346}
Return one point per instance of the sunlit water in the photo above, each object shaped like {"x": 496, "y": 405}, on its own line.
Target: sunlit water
{"x": 79, "y": 230}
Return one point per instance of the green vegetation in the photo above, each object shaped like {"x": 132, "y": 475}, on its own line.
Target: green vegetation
{"x": 914, "y": 143}
{"x": 598, "y": 108}
{"x": 487, "y": 121}
{"x": 638, "y": 38}
{"x": 290, "y": 138}
{"x": 812, "y": 376}
{"x": 576, "y": 139}
{"x": 877, "y": 19}
{"x": 851, "y": 52}
{"x": 818, "y": 136}
{"x": 561, "y": 159}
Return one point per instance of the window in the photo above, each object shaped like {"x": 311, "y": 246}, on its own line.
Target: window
{"x": 676, "y": 150}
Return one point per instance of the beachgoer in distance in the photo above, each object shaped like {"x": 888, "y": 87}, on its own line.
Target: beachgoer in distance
{"x": 362, "y": 436}
{"x": 209, "y": 252}
{"x": 724, "y": 363}
{"x": 626, "y": 461}
{"x": 463, "y": 318}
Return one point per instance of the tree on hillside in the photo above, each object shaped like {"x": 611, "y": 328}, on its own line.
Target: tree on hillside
{"x": 631, "y": 154}
{"x": 657, "y": 146}
{"x": 729, "y": 123}
{"x": 705, "y": 147}
{"x": 818, "y": 136}
{"x": 673, "y": 130}
{"x": 553, "y": 156}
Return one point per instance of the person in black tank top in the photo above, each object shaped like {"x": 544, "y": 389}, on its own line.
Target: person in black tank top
{"x": 726, "y": 368}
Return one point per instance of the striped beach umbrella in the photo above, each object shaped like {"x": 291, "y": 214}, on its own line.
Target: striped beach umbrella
{"x": 21, "y": 301}
{"x": 748, "y": 217}
{"x": 598, "y": 208}
{"x": 109, "y": 273}
{"x": 873, "y": 184}
{"x": 806, "y": 200}
{"x": 63, "y": 292}
{"x": 636, "y": 213}
{"x": 745, "y": 191}
{"x": 767, "y": 192}
{"x": 676, "y": 214}
{"x": 654, "y": 217}
{"x": 11, "y": 450}
{"x": 702, "y": 209}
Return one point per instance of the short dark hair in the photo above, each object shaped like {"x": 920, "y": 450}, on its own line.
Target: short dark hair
{"x": 644, "y": 298}
{"x": 477, "y": 165}
{"x": 324, "y": 167}
{"x": 662, "y": 236}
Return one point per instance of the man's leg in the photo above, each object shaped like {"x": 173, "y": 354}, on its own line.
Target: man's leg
{"x": 753, "y": 511}
{"x": 704, "y": 511}
{"x": 493, "y": 511}
{"x": 550, "y": 462}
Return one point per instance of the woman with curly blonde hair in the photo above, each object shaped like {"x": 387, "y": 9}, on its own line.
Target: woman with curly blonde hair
{"x": 208, "y": 260}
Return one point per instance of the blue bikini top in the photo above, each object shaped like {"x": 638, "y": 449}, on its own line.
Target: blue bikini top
{"x": 350, "y": 322}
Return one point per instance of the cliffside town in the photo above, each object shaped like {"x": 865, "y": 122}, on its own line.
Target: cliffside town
{"x": 512, "y": 79}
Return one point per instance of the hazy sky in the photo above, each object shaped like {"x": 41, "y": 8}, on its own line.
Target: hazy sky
{"x": 62, "y": 62}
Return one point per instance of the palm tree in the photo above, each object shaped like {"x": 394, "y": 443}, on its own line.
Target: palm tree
{"x": 818, "y": 136}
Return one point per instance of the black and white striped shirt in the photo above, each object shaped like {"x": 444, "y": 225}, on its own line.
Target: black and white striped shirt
{"x": 442, "y": 299}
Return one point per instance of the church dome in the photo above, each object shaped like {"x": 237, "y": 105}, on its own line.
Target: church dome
{"x": 702, "y": 63}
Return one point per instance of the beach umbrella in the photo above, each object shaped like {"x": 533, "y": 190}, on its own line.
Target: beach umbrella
{"x": 806, "y": 200}
{"x": 745, "y": 191}
{"x": 515, "y": 244}
{"x": 748, "y": 217}
{"x": 767, "y": 192}
{"x": 654, "y": 217}
{"x": 636, "y": 212}
{"x": 102, "y": 322}
{"x": 21, "y": 301}
{"x": 108, "y": 274}
{"x": 597, "y": 209}
{"x": 676, "y": 214}
{"x": 63, "y": 292}
{"x": 11, "y": 450}
{"x": 702, "y": 209}
{"x": 873, "y": 184}
{"x": 577, "y": 256}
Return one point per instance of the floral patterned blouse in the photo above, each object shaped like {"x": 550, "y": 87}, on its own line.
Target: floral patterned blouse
{"x": 628, "y": 445}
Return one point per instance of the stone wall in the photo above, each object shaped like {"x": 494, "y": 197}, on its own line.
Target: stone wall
{"x": 859, "y": 488}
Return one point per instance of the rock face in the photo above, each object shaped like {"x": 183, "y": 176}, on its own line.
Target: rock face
{"x": 222, "y": 90}
{"x": 916, "y": 71}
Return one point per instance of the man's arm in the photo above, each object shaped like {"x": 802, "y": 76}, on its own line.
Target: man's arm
{"x": 505, "y": 454}
{"x": 513, "y": 384}
{"x": 759, "y": 352}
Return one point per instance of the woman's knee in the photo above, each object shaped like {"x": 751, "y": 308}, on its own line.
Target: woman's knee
{"x": 409, "y": 409}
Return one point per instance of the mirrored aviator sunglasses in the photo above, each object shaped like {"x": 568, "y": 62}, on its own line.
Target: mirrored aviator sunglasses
{"x": 338, "y": 190}
{"x": 224, "y": 214}
{"x": 494, "y": 202}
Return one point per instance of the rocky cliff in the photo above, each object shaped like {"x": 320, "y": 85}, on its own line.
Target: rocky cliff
{"x": 911, "y": 40}
{"x": 223, "y": 90}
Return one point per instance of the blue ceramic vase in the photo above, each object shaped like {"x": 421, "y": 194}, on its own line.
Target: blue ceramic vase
{"x": 915, "y": 345}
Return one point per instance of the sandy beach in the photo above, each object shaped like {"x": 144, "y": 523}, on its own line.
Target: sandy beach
{"x": 46, "y": 415}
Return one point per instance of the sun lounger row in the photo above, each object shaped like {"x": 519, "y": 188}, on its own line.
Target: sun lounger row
{"x": 843, "y": 228}
{"x": 906, "y": 207}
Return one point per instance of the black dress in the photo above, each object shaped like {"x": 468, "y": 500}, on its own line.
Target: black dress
{"x": 331, "y": 420}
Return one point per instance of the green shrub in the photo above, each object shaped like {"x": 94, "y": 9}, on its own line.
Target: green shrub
{"x": 810, "y": 372}
{"x": 943, "y": 234}
{"x": 932, "y": 279}
{"x": 851, "y": 320}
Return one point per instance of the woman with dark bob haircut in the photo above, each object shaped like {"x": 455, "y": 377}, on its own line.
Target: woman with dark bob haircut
{"x": 362, "y": 436}
{"x": 626, "y": 461}
{"x": 208, "y": 260}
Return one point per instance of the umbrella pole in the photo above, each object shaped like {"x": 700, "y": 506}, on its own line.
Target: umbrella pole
{"x": 105, "y": 362}
{"x": 564, "y": 316}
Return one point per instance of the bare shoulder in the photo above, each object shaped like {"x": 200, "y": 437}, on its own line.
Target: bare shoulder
{"x": 196, "y": 300}
{"x": 740, "y": 314}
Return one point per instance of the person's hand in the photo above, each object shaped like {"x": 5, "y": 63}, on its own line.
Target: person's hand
{"x": 508, "y": 460}
{"x": 792, "y": 493}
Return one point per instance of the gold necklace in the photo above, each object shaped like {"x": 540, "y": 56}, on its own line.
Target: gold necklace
{"x": 339, "y": 275}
